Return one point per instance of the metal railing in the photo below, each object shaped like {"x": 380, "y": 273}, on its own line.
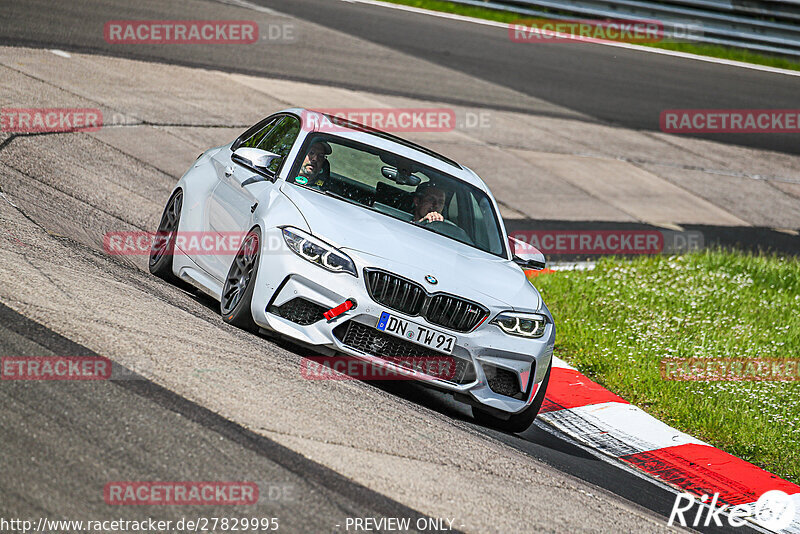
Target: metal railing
{"x": 768, "y": 26}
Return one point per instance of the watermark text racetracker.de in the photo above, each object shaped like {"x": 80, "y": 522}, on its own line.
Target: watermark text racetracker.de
{"x": 641, "y": 31}
{"x": 61, "y": 120}
{"x": 149, "y": 525}
{"x": 731, "y": 369}
{"x": 55, "y": 368}
{"x": 139, "y": 243}
{"x": 730, "y": 121}
{"x": 184, "y": 493}
{"x": 600, "y": 242}
{"x": 409, "y": 120}
{"x": 53, "y": 120}
{"x": 345, "y": 367}
{"x": 187, "y": 32}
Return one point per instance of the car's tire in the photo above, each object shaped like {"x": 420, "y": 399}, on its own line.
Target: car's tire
{"x": 163, "y": 248}
{"x": 518, "y": 422}
{"x": 237, "y": 293}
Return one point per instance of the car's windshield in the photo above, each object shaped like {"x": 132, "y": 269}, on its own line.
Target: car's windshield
{"x": 400, "y": 188}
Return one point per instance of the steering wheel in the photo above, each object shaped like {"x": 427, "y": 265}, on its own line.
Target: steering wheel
{"x": 442, "y": 222}
{"x": 449, "y": 229}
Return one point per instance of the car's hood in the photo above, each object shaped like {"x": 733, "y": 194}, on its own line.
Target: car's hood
{"x": 413, "y": 252}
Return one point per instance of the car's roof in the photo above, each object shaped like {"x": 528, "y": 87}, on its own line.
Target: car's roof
{"x": 370, "y": 136}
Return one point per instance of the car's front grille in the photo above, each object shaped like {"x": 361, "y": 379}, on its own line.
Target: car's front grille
{"x": 395, "y": 292}
{"x": 300, "y": 311}
{"x": 454, "y": 313}
{"x": 405, "y": 296}
{"x": 376, "y": 343}
{"x": 502, "y": 381}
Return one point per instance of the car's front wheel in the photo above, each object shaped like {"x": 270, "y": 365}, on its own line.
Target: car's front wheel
{"x": 518, "y": 422}
{"x": 163, "y": 248}
{"x": 237, "y": 294}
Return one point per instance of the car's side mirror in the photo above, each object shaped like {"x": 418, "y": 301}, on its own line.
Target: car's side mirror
{"x": 255, "y": 159}
{"x": 525, "y": 255}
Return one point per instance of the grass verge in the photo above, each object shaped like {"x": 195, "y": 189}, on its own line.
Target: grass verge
{"x": 722, "y": 52}
{"x": 615, "y": 323}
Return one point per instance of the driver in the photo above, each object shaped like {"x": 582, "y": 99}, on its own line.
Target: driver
{"x": 428, "y": 203}
{"x": 311, "y": 169}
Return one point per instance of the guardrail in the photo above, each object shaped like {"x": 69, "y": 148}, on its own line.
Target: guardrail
{"x": 769, "y": 26}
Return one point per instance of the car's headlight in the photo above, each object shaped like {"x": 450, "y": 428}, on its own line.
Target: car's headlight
{"x": 530, "y": 325}
{"x": 319, "y": 252}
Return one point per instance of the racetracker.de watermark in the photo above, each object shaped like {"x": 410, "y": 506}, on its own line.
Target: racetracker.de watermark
{"x": 730, "y": 369}
{"x": 138, "y": 243}
{"x": 730, "y": 121}
{"x": 134, "y": 32}
{"x": 349, "y": 368}
{"x": 181, "y": 493}
{"x": 386, "y": 119}
{"x": 600, "y": 242}
{"x": 55, "y": 368}
{"x": 50, "y": 120}
{"x": 181, "y": 32}
{"x": 543, "y": 30}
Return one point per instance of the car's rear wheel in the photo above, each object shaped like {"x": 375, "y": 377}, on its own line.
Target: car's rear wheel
{"x": 237, "y": 293}
{"x": 163, "y": 248}
{"x": 518, "y": 422}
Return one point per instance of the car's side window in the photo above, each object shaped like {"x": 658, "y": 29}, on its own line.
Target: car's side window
{"x": 277, "y": 137}
{"x": 280, "y": 139}
{"x": 254, "y": 140}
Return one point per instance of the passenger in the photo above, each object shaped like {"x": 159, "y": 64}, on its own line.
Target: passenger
{"x": 428, "y": 203}
{"x": 313, "y": 165}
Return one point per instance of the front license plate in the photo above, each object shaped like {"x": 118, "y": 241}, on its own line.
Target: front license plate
{"x": 416, "y": 333}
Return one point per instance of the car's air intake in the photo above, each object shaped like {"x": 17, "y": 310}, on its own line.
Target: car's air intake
{"x": 376, "y": 343}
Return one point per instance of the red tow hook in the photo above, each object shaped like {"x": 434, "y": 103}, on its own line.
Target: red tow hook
{"x": 340, "y": 309}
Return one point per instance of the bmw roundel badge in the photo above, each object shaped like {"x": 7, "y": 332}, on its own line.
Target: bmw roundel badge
{"x": 431, "y": 280}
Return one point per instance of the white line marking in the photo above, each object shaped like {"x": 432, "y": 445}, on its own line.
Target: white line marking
{"x": 632, "y": 426}
{"x": 558, "y": 362}
{"x": 4, "y": 197}
{"x": 249, "y": 5}
{"x": 685, "y": 55}
{"x": 61, "y": 53}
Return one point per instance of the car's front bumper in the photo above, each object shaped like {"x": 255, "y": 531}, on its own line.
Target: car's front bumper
{"x": 493, "y": 355}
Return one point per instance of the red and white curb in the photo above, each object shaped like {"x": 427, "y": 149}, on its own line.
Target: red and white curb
{"x": 605, "y": 422}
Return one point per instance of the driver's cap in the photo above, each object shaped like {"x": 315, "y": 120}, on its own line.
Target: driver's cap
{"x": 325, "y": 146}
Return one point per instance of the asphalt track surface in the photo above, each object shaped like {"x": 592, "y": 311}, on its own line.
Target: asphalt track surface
{"x": 609, "y": 84}
{"x": 56, "y": 461}
{"x": 140, "y": 430}
{"x": 618, "y": 86}
{"x": 133, "y": 429}
{"x": 394, "y": 52}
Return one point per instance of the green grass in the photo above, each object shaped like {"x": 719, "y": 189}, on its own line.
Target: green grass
{"x": 723, "y": 52}
{"x": 615, "y": 323}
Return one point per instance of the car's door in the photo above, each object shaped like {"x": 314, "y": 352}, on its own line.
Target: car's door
{"x": 232, "y": 204}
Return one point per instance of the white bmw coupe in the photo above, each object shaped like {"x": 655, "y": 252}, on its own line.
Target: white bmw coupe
{"x": 353, "y": 241}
